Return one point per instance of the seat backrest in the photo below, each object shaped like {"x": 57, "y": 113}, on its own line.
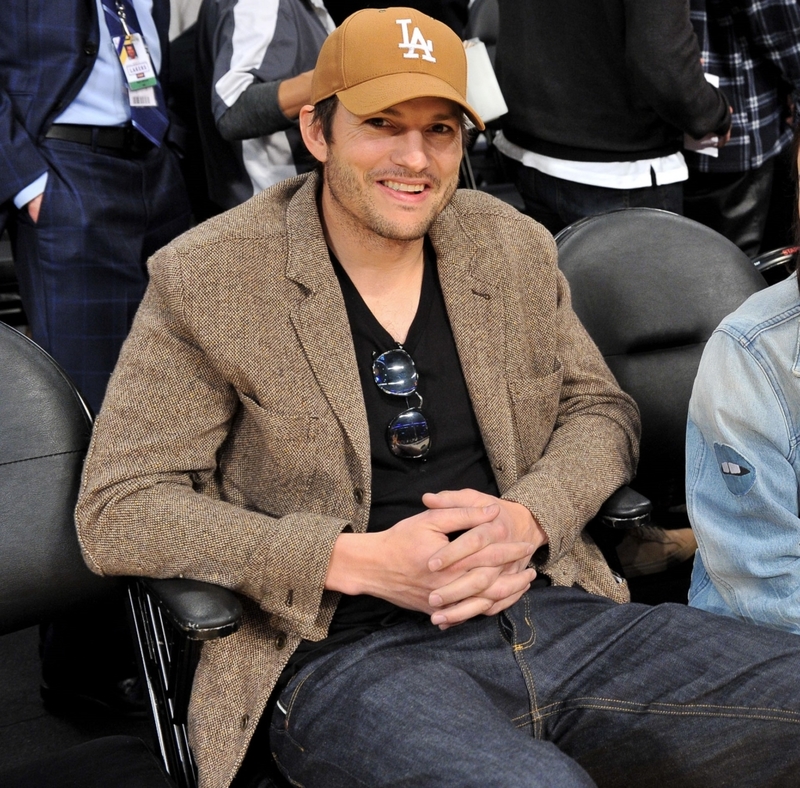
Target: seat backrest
{"x": 650, "y": 287}
{"x": 44, "y": 433}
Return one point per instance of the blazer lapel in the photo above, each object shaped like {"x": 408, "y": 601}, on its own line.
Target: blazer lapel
{"x": 477, "y": 313}
{"x": 320, "y": 321}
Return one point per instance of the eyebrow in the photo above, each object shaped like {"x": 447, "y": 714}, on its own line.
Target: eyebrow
{"x": 440, "y": 116}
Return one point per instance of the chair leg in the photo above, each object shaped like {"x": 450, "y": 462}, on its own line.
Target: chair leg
{"x": 167, "y": 662}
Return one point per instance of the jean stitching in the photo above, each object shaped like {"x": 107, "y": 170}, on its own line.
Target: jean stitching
{"x": 532, "y": 639}
{"x": 354, "y": 780}
{"x": 295, "y": 692}
{"x": 668, "y": 709}
{"x": 284, "y": 773}
{"x": 526, "y": 671}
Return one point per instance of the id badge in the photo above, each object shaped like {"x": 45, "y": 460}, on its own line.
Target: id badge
{"x": 146, "y": 97}
{"x": 135, "y": 59}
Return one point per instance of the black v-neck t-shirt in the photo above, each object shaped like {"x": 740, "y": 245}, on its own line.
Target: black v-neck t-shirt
{"x": 457, "y": 458}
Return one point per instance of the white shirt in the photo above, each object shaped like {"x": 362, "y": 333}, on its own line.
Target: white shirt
{"x": 608, "y": 174}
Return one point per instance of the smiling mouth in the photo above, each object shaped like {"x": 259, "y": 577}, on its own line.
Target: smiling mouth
{"x": 411, "y": 188}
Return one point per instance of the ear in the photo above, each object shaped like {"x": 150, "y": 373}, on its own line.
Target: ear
{"x": 311, "y": 132}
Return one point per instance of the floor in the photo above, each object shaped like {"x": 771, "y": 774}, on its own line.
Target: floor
{"x": 27, "y": 731}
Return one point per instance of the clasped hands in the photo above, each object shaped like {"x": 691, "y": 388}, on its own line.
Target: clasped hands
{"x": 414, "y": 565}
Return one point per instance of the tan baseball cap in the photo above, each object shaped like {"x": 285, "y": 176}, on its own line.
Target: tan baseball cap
{"x": 379, "y": 57}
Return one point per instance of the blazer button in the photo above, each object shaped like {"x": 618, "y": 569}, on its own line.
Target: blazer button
{"x": 90, "y": 48}
{"x": 280, "y": 641}
{"x": 358, "y": 494}
{"x": 243, "y": 723}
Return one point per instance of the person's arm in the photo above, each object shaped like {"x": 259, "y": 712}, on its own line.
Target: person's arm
{"x": 247, "y": 100}
{"x": 148, "y": 504}
{"x": 588, "y": 451}
{"x": 593, "y": 449}
{"x": 266, "y": 107}
{"x": 591, "y": 452}
{"x": 21, "y": 164}
{"x": 150, "y": 498}
{"x": 742, "y": 489}
{"x": 663, "y": 58}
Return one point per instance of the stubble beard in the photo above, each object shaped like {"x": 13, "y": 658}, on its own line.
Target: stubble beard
{"x": 348, "y": 193}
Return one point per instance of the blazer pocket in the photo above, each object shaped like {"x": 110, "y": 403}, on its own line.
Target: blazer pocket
{"x": 535, "y": 404}
{"x": 270, "y": 458}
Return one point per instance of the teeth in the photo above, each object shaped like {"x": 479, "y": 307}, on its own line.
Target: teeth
{"x": 405, "y": 187}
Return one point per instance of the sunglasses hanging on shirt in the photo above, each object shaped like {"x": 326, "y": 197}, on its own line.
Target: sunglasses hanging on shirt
{"x": 395, "y": 373}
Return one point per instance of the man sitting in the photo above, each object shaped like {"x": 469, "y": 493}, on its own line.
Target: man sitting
{"x": 362, "y": 401}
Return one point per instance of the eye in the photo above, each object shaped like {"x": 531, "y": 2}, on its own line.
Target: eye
{"x": 442, "y": 128}
{"x": 377, "y": 123}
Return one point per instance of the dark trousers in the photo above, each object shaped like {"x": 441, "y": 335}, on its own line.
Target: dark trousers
{"x": 735, "y": 204}
{"x": 81, "y": 267}
{"x": 82, "y": 273}
{"x": 564, "y": 690}
{"x": 555, "y": 202}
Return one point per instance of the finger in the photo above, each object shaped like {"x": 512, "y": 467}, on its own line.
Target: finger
{"x": 468, "y": 608}
{"x": 504, "y": 604}
{"x": 471, "y": 542}
{"x": 507, "y": 591}
{"x": 470, "y": 584}
{"x": 513, "y": 555}
{"x": 492, "y": 584}
{"x": 448, "y": 499}
{"x": 463, "y": 518}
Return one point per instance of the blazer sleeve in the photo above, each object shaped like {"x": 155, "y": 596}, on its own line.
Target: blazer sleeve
{"x": 594, "y": 446}
{"x": 150, "y": 500}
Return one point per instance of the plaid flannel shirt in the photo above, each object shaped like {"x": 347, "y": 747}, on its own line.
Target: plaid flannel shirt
{"x": 753, "y": 46}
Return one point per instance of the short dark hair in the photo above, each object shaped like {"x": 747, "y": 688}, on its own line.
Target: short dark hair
{"x": 323, "y": 114}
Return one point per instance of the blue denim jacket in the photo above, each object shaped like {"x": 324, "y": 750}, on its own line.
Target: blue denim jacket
{"x": 743, "y": 464}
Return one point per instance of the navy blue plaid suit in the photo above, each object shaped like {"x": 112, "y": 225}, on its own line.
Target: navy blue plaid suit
{"x": 81, "y": 267}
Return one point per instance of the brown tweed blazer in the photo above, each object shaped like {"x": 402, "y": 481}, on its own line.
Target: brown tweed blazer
{"x": 233, "y": 445}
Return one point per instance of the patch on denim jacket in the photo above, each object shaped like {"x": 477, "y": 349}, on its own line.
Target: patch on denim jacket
{"x": 738, "y": 473}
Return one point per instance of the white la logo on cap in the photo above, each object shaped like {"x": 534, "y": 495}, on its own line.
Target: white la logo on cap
{"x": 416, "y": 42}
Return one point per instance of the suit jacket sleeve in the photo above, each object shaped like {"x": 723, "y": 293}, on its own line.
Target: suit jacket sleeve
{"x": 20, "y": 161}
{"x": 150, "y": 501}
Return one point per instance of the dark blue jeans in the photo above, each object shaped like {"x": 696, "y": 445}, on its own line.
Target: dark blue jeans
{"x": 564, "y": 689}
{"x": 555, "y": 202}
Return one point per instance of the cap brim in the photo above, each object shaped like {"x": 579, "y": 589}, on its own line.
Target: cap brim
{"x": 376, "y": 95}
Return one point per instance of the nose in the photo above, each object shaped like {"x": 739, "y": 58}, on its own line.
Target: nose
{"x": 411, "y": 151}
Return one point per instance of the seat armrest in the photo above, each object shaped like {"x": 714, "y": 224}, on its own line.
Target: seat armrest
{"x": 171, "y": 621}
{"x": 201, "y": 611}
{"x": 783, "y": 256}
{"x": 626, "y": 508}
